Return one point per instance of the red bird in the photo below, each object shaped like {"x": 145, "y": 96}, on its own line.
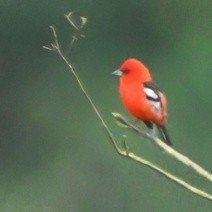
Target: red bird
{"x": 142, "y": 98}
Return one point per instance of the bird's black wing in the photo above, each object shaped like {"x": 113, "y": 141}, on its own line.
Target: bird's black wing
{"x": 152, "y": 93}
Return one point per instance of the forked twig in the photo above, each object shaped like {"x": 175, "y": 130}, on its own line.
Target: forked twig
{"x": 124, "y": 151}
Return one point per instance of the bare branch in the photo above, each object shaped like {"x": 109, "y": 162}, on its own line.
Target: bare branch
{"x": 180, "y": 157}
{"x": 70, "y": 18}
{"x": 170, "y": 176}
{"x": 124, "y": 151}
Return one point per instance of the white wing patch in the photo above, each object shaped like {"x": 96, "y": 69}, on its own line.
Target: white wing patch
{"x": 151, "y": 94}
{"x": 153, "y": 97}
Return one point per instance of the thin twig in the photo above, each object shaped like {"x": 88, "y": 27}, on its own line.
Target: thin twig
{"x": 180, "y": 157}
{"x": 71, "y": 69}
{"x": 170, "y": 176}
{"x": 125, "y": 150}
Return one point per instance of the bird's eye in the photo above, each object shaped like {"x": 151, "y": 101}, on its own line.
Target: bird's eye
{"x": 125, "y": 71}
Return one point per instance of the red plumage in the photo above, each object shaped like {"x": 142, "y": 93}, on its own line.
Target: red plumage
{"x": 141, "y": 97}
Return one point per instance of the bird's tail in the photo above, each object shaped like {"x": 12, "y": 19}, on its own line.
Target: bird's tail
{"x": 165, "y": 135}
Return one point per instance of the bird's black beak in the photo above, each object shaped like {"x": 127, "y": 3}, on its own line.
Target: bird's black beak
{"x": 117, "y": 73}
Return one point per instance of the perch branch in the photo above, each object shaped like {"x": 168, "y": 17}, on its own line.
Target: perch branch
{"x": 124, "y": 151}
{"x": 180, "y": 157}
{"x": 170, "y": 176}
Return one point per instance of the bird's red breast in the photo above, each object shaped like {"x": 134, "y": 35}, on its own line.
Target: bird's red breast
{"x": 139, "y": 94}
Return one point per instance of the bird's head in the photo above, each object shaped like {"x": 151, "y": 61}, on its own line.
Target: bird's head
{"x": 133, "y": 68}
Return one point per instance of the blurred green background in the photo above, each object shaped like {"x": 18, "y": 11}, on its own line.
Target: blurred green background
{"x": 54, "y": 152}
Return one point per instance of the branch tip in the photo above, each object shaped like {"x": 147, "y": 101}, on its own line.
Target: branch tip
{"x": 70, "y": 17}
{"x": 48, "y": 48}
{"x": 83, "y": 21}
